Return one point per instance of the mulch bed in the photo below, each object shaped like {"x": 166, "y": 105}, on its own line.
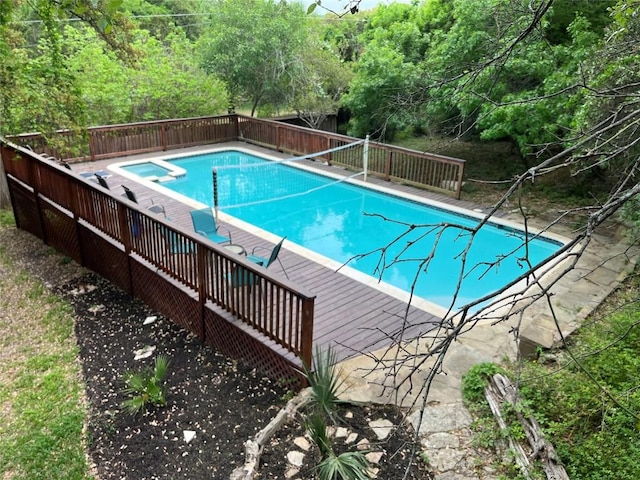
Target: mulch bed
{"x": 223, "y": 401}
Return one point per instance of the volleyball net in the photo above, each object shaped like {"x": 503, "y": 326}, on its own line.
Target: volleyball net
{"x": 254, "y": 181}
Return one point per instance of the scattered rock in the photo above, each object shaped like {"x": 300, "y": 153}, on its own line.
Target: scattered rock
{"x": 351, "y": 438}
{"x": 295, "y": 458}
{"x": 292, "y": 472}
{"x": 363, "y": 444}
{"x": 302, "y": 443}
{"x": 341, "y": 432}
{"x": 374, "y": 457}
{"x": 189, "y": 435}
{"x": 144, "y": 352}
{"x": 381, "y": 427}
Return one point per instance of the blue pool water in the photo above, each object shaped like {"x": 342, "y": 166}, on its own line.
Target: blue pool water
{"x": 147, "y": 169}
{"x": 331, "y": 221}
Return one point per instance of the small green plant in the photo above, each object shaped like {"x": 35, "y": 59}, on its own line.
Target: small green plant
{"x": 475, "y": 381}
{"x": 316, "y": 426}
{"x": 146, "y": 387}
{"x": 346, "y": 466}
{"x": 325, "y": 382}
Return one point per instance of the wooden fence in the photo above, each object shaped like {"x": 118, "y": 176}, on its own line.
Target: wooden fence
{"x": 223, "y": 298}
{"x": 425, "y": 170}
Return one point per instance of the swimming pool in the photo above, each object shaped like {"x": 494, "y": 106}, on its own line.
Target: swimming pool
{"x": 330, "y": 220}
{"x": 154, "y": 170}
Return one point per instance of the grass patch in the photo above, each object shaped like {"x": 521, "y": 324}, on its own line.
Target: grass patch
{"x": 41, "y": 432}
{"x": 7, "y": 219}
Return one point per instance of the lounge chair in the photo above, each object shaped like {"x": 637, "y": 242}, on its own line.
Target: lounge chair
{"x": 204, "y": 223}
{"x": 102, "y": 181}
{"x": 266, "y": 261}
{"x": 154, "y": 208}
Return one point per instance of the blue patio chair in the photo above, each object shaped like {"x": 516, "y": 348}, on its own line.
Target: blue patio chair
{"x": 267, "y": 261}
{"x": 241, "y": 277}
{"x": 204, "y": 223}
{"x": 174, "y": 243}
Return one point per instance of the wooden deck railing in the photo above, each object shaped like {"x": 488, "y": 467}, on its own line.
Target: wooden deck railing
{"x": 179, "y": 273}
{"x": 435, "y": 172}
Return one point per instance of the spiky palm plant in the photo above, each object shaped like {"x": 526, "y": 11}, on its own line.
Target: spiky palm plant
{"x": 325, "y": 382}
{"x": 146, "y": 387}
{"x": 346, "y": 466}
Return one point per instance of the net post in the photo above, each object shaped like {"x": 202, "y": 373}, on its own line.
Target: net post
{"x": 365, "y": 157}
{"x": 214, "y": 172}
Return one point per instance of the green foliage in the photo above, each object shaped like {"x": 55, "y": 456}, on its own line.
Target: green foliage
{"x": 324, "y": 382}
{"x": 595, "y": 433}
{"x": 316, "y": 426}
{"x": 346, "y": 466}
{"x": 631, "y": 213}
{"x": 146, "y": 388}
{"x": 6, "y": 218}
{"x": 475, "y": 381}
{"x": 251, "y": 44}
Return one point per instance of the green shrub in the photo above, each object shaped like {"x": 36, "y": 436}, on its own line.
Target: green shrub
{"x": 146, "y": 387}
{"x": 475, "y": 381}
{"x": 591, "y": 411}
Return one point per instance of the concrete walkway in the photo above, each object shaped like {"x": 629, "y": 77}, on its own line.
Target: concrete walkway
{"x": 444, "y": 427}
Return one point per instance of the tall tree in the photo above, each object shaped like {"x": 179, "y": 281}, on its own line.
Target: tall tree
{"x": 318, "y": 82}
{"x": 252, "y": 44}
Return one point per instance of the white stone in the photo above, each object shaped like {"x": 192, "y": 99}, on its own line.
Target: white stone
{"x": 144, "y": 352}
{"x": 149, "y": 320}
{"x": 292, "y": 472}
{"x": 188, "y": 435}
{"x": 295, "y": 458}
{"x": 381, "y": 427}
{"x": 363, "y": 444}
{"x": 302, "y": 443}
{"x": 351, "y": 438}
{"x": 373, "y": 472}
{"x": 341, "y": 432}
{"x": 348, "y": 415}
{"x": 374, "y": 457}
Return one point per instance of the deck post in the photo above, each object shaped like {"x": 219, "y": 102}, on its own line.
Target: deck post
{"x": 306, "y": 337}
{"x": 163, "y": 136}
{"x": 387, "y": 168}
{"x": 201, "y": 258}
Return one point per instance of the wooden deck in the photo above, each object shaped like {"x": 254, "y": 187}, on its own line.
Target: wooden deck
{"x": 349, "y": 315}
